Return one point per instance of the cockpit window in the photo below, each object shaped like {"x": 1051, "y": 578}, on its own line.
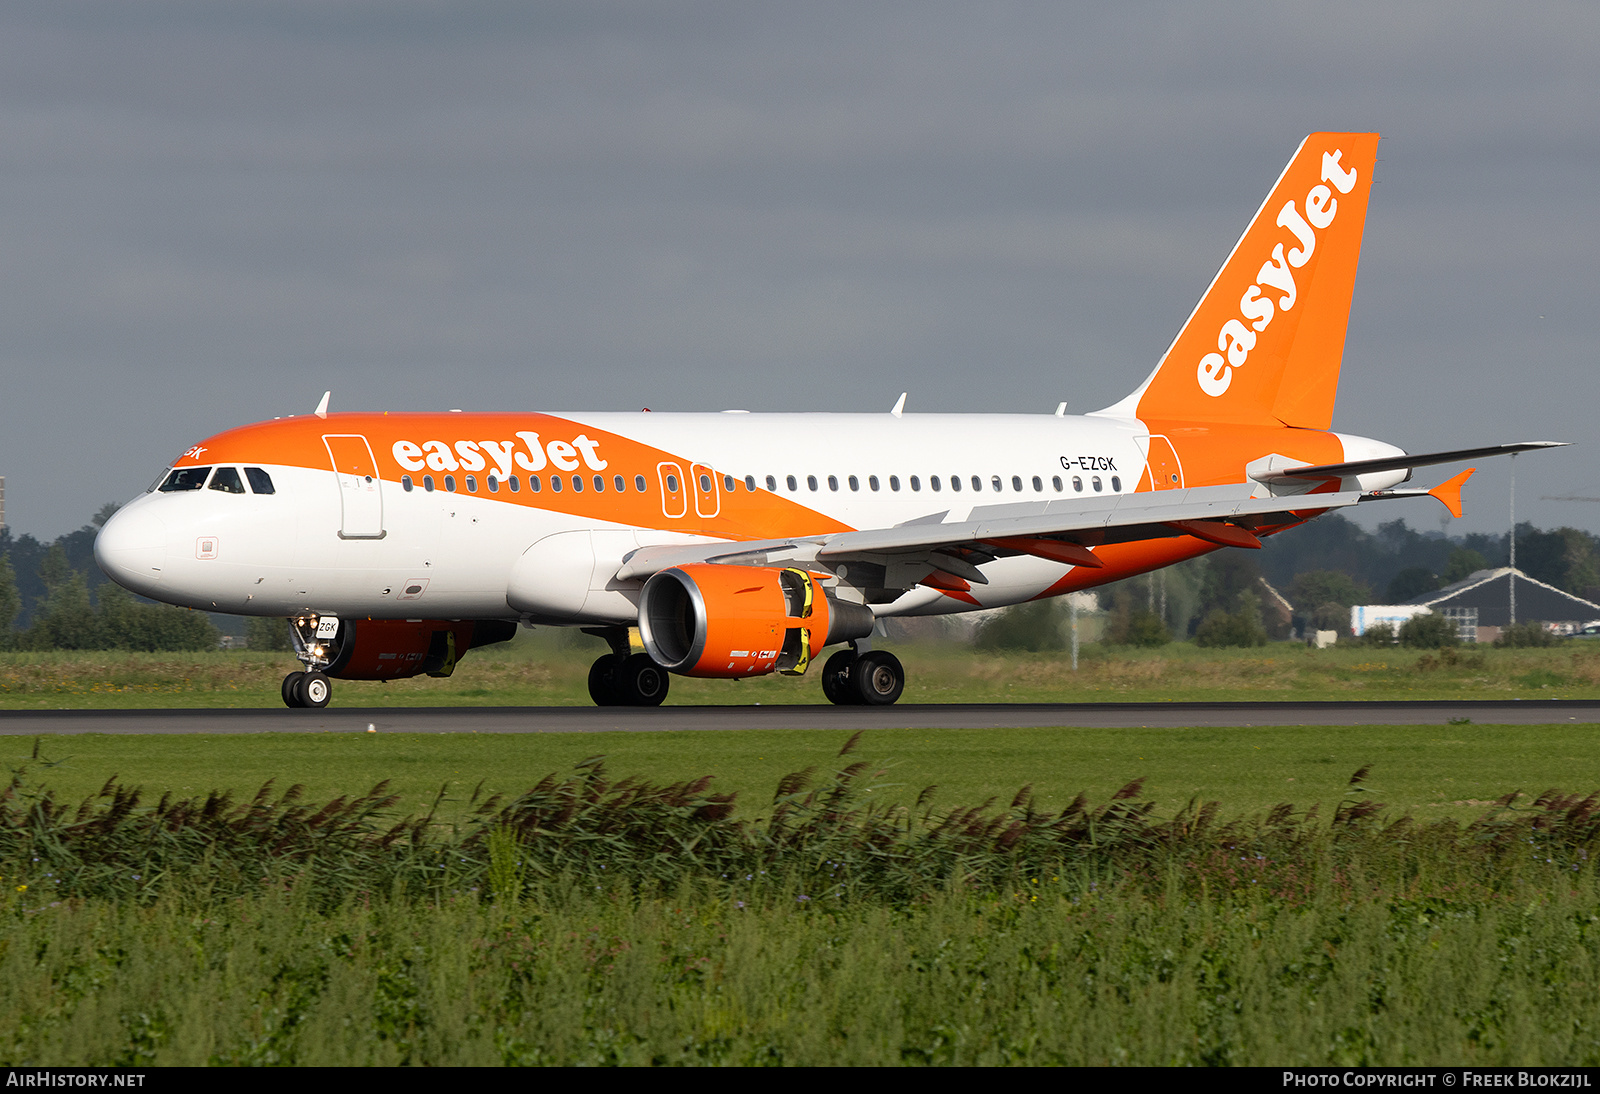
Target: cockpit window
{"x": 185, "y": 478}
{"x": 227, "y": 480}
{"x": 260, "y": 481}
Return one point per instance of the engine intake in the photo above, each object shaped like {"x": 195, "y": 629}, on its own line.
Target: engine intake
{"x": 707, "y": 619}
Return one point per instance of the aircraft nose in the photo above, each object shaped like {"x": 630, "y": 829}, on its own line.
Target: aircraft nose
{"x": 132, "y": 548}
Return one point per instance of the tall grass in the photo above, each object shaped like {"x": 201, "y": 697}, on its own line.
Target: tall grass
{"x": 823, "y": 834}
{"x": 602, "y": 920}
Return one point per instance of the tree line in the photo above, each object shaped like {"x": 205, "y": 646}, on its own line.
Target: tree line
{"x": 54, "y": 597}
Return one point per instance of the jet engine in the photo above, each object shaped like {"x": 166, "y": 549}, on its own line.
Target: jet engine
{"x": 708, "y": 619}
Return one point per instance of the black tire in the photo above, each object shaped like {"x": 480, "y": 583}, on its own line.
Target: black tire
{"x": 878, "y": 678}
{"x": 313, "y": 689}
{"x": 290, "y": 691}
{"x": 642, "y": 682}
{"x": 836, "y": 679}
{"x": 603, "y": 687}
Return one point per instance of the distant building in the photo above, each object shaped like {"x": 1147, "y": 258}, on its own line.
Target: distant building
{"x": 1480, "y": 605}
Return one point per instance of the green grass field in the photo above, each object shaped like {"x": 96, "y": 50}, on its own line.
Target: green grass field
{"x": 598, "y": 922}
{"x": 1325, "y": 943}
{"x": 1429, "y": 771}
{"x": 546, "y": 668}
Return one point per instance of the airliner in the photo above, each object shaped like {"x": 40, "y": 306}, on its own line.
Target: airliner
{"x": 735, "y": 544}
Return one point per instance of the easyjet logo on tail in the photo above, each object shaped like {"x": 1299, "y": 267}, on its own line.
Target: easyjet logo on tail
{"x": 1238, "y": 336}
{"x": 531, "y": 455}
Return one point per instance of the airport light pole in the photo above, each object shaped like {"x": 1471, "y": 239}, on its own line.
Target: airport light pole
{"x": 1512, "y": 581}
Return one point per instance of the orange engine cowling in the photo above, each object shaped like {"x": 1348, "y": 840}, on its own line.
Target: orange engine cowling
{"x": 708, "y": 619}
{"x": 392, "y": 649}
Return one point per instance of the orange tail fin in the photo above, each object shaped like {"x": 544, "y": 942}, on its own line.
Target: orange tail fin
{"x": 1265, "y": 342}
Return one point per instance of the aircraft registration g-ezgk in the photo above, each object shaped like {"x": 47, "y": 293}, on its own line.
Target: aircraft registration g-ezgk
{"x": 735, "y": 544}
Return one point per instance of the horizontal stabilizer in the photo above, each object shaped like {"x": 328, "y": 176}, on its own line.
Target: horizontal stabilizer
{"x": 1449, "y": 491}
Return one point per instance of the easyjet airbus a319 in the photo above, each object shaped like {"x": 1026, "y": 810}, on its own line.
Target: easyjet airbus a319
{"x": 737, "y": 544}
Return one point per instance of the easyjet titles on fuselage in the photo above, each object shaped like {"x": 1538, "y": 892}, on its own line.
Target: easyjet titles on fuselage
{"x": 476, "y": 455}
{"x": 1235, "y": 339}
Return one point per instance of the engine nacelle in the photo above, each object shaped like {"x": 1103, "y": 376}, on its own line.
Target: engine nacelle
{"x": 393, "y": 649}
{"x": 708, "y": 619}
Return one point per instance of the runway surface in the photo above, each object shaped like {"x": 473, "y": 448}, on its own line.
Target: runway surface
{"x": 911, "y": 716}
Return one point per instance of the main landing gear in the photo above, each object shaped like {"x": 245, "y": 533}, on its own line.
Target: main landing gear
{"x": 873, "y": 679}
{"x": 631, "y": 680}
{"x": 307, "y": 689}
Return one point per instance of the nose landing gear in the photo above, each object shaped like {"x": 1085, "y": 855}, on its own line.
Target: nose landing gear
{"x": 307, "y": 689}
{"x": 316, "y": 642}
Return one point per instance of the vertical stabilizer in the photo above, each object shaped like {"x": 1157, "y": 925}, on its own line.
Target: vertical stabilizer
{"x": 1265, "y": 342}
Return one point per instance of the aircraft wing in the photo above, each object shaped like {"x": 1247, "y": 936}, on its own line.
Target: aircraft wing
{"x": 1290, "y": 474}
{"x": 1059, "y": 529}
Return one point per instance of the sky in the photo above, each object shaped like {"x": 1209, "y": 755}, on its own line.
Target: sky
{"x": 211, "y": 213}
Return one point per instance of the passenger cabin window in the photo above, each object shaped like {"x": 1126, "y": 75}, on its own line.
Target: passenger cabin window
{"x": 472, "y": 484}
{"x": 427, "y": 483}
{"x": 977, "y": 483}
{"x": 750, "y": 483}
{"x": 494, "y": 484}
{"x": 620, "y": 483}
{"x": 515, "y": 484}
{"x": 227, "y": 480}
{"x": 185, "y": 478}
{"x": 261, "y": 482}
{"x": 638, "y": 483}
{"x": 450, "y": 483}
{"x": 916, "y": 483}
{"x": 405, "y": 484}
{"x": 872, "y": 481}
{"x": 955, "y": 483}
